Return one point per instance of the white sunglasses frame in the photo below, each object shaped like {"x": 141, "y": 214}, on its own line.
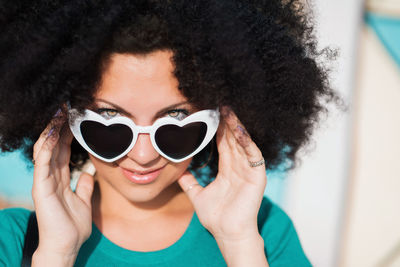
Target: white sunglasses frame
{"x": 209, "y": 116}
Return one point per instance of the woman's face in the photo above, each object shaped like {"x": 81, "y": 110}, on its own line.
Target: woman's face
{"x": 144, "y": 89}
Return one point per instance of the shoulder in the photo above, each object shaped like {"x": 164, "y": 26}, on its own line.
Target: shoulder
{"x": 13, "y": 223}
{"x": 272, "y": 215}
{"x": 282, "y": 245}
{"x": 14, "y": 219}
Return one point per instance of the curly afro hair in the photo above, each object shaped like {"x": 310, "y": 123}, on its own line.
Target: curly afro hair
{"x": 257, "y": 56}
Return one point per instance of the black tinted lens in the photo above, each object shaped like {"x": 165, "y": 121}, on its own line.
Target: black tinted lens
{"x": 106, "y": 141}
{"x": 178, "y": 142}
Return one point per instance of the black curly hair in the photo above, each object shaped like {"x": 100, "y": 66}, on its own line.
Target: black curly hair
{"x": 257, "y": 56}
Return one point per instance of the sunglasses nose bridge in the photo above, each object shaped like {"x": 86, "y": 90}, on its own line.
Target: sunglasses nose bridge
{"x": 143, "y": 129}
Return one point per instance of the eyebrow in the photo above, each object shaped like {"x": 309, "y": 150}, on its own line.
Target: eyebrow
{"x": 159, "y": 113}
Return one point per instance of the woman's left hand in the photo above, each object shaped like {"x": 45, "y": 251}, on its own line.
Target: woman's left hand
{"x": 228, "y": 207}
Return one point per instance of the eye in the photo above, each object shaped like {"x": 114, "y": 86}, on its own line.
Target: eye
{"x": 107, "y": 112}
{"x": 178, "y": 114}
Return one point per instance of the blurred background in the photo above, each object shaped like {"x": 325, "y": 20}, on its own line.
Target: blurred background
{"x": 344, "y": 198}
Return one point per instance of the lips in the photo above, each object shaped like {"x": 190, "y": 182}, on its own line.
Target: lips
{"x": 141, "y": 177}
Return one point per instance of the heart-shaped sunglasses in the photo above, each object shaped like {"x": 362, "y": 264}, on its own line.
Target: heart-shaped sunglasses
{"x": 111, "y": 139}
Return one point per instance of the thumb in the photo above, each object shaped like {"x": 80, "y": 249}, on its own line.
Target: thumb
{"x": 84, "y": 188}
{"x": 190, "y": 185}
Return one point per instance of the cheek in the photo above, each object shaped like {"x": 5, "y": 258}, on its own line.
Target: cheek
{"x": 175, "y": 170}
{"x": 102, "y": 166}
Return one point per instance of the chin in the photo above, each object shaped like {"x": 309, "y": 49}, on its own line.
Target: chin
{"x": 150, "y": 192}
{"x": 142, "y": 198}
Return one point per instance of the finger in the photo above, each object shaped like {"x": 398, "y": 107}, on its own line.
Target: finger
{"x": 224, "y": 148}
{"x": 189, "y": 185}
{"x": 220, "y": 133}
{"x": 250, "y": 148}
{"x": 55, "y": 166}
{"x": 84, "y": 188}
{"x": 59, "y": 116}
{"x": 41, "y": 140}
{"x": 228, "y": 148}
{"x": 64, "y": 155}
{"x": 64, "y": 146}
{"x": 241, "y": 136}
{"x": 233, "y": 123}
{"x": 43, "y": 158}
{"x": 229, "y": 118}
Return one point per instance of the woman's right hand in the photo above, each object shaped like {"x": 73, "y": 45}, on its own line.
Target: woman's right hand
{"x": 64, "y": 217}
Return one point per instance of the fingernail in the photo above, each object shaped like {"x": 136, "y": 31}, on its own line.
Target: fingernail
{"x": 57, "y": 113}
{"x": 242, "y": 130}
{"x": 51, "y": 132}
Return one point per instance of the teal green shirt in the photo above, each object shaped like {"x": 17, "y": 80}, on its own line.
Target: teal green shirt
{"x": 196, "y": 247}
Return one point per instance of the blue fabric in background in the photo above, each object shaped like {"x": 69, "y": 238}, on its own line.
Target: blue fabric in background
{"x": 15, "y": 178}
{"x": 388, "y": 31}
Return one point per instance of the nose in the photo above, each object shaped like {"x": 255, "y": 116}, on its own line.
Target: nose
{"x": 143, "y": 151}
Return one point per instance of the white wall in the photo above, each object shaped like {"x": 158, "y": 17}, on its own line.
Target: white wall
{"x": 372, "y": 232}
{"x": 315, "y": 191}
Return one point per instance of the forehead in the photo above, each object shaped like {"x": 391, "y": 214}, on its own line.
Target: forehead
{"x": 140, "y": 83}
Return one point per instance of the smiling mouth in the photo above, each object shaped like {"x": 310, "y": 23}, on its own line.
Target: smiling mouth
{"x": 143, "y": 172}
{"x": 141, "y": 177}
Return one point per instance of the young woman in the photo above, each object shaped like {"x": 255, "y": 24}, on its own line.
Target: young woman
{"x": 179, "y": 105}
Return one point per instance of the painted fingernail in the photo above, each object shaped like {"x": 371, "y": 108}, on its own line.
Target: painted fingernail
{"x": 57, "y": 113}
{"x": 242, "y": 130}
{"x": 50, "y": 133}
